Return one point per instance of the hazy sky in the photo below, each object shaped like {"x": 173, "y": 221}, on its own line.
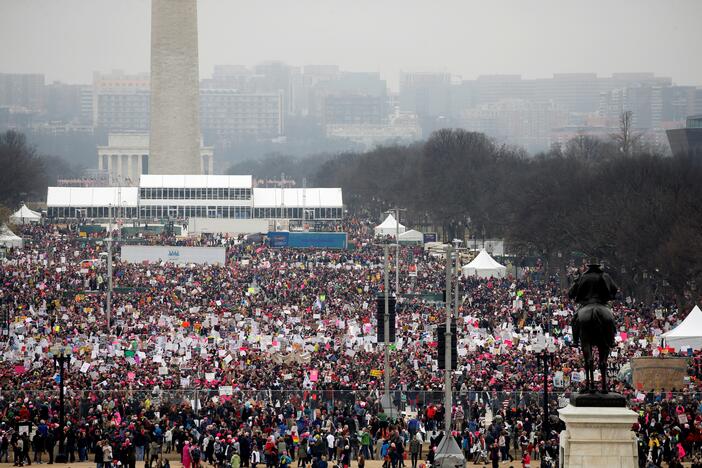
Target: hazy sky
{"x": 68, "y": 39}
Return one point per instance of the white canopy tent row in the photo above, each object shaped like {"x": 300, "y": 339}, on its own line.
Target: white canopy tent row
{"x": 484, "y": 266}
{"x": 9, "y": 239}
{"x": 688, "y": 333}
{"x": 389, "y": 227}
{"x": 25, "y": 216}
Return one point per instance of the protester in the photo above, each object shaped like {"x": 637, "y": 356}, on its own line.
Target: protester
{"x": 275, "y": 353}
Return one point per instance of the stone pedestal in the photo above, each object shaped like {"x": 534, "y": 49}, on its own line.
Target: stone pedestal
{"x": 598, "y": 437}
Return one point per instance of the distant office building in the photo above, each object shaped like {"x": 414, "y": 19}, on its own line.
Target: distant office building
{"x": 401, "y": 128}
{"x": 359, "y": 94}
{"x": 491, "y": 89}
{"x": 86, "y": 104}
{"x": 644, "y": 102}
{"x": 126, "y": 158}
{"x": 305, "y": 87}
{"x": 121, "y": 102}
{"x": 228, "y": 115}
{"x": 688, "y": 140}
{"x": 425, "y": 94}
{"x": 234, "y": 77}
{"x": 519, "y": 122}
{"x": 571, "y": 92}
{"x": 276, "y": 77}
{"x": 356, "y": 109}
{"x": 69, "y": 103}
{"x": 627, "y": 80}
{"x": 22, "y": 90}
{"x": 464, "y": 95}
{"x": 678, "y": 102}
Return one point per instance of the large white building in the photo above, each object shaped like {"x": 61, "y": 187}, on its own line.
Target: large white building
{"x": 203, "y": 197}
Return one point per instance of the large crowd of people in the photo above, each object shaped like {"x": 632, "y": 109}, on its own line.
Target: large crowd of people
{"x": 272, "y": 359}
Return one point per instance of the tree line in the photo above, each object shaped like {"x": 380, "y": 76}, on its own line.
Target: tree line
{"x": 24, "y": 173}
{"x": 618, "y": 200}
{"x": 624, "y": 203}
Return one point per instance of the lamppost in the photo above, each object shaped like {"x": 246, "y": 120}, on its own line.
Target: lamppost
{"x": 456, "y": 247}
{"x": 387, "y": 401}
{"x": 545, "y": 347}
{"x": 108, "y": 301}
{"x": 61, "y": 355}
{"x": 448, "y": 452}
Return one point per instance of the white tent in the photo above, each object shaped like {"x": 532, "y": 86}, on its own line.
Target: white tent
{"x": 9, "y": 238}
{"x": 24, "y": 216}
{"x": 484, "y": 266}
{"x": 412, "y": 237}
{"x": 388, "y": 227}
{"x": 688, "y": 333}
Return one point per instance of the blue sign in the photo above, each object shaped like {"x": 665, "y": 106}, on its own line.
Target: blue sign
{"x": 313, "y": 240}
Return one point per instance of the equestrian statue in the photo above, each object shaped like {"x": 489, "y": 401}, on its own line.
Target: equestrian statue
{"x": 593, "y": 322}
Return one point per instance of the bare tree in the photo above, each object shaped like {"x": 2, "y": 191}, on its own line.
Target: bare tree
{"x": 588, "y": 148}
{"x": 626, "y": 139}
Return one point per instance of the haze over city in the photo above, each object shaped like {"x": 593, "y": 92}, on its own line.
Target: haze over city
{"x": 69, "y": 39}
{"x": 354, "y": 234}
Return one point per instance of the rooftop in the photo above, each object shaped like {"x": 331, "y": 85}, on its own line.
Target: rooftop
{"x": 196, "y": 181}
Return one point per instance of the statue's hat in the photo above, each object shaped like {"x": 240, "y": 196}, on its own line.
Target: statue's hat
{"x": 593, "y": 261}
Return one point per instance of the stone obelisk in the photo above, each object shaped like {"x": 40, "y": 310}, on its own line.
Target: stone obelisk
{"x": 174, "y": 145}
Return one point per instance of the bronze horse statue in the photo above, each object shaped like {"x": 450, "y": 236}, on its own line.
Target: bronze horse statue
{"x": 593, "y": 323}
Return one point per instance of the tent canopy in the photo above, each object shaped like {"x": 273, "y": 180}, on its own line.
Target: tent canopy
{"x": 24, "y": 216}
{"x": 688, "y": 333}
{"x": 389, "y": 227}
{"x": 412, "y": 236}
{"x": 484, "y": 266}
{"x": 9, "y": 238}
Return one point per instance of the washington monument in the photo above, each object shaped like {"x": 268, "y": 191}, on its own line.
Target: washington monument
{"x": 175, "y": 88}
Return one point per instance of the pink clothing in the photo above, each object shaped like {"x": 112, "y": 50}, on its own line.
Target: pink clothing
{"x": 186, "y": 456}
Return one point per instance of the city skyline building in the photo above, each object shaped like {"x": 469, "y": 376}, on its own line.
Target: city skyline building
{"x": 274, "y": 103}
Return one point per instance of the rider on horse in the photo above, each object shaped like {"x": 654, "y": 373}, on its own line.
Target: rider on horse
{"x": 593, "y": 290}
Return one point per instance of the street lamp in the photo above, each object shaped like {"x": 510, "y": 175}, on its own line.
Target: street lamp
{"x": 457, "y": 249}
{"x": 61, "y": 355}
{"x": 108, "y": 302}
{"x": 545, "y": 347}
{"x": 448, "y": 452}
{"x": 387, "y": 401}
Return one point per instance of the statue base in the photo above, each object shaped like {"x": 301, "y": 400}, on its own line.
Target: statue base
{"x": 598, "y": 437}
{"x": 598, "y": 400}
{"x": 449, "y": 454}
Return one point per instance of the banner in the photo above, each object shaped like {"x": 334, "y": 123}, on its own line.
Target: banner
{"x": 173, "y": 254}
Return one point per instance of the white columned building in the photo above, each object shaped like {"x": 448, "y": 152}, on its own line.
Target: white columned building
{"x": 126, "y": 157}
